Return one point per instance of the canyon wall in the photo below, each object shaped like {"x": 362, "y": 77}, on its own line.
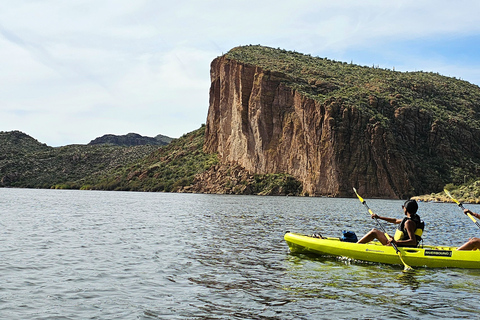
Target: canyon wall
{"x": 258, "y": 121}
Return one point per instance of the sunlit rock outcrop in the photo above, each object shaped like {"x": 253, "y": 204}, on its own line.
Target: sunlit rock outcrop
{"x": 260, "y": 121}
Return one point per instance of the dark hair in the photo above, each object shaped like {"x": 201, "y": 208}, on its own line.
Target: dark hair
{"x": 411, "y": 206}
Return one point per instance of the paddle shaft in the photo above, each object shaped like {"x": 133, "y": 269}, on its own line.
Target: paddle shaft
{"x": 380, "y": 225}
{"x": 378, "y": 222}
{"x": 463, "y": 208}
{"x": 406, "y": 266}
{"x": 470, "y": 216}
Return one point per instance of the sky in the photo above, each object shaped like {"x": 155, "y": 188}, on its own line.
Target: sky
{"x": 71, "y": 71}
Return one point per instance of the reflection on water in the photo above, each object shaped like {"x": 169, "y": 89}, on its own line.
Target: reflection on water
{"x": 376, "y": 291}
{"x": 120, "y": 255}
{"x": 409, "y": 279}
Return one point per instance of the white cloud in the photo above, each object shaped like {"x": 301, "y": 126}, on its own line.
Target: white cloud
{"x": 75, "y": 70}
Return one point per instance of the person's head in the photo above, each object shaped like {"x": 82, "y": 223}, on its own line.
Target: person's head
{"x": 411, "y": 207}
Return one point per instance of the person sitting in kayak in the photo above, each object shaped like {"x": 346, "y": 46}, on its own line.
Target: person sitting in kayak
{"x": 472, "y": 243}
{"x": 408, "y": 234}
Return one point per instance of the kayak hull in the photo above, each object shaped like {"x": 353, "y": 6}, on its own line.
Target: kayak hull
{"x": 424, "y": 256}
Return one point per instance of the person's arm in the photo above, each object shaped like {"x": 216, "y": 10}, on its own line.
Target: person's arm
{"x": 391, "y": 220}
{"x": 476, "y": 215}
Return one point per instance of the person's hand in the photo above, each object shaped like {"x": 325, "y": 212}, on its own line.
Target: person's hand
{"x": 390, "y": 241}
{"x": 467, "y": 211}
{"x": 375, "y": 216}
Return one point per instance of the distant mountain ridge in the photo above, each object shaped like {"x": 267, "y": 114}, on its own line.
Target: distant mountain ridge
{"x": 131, "y": 139}
{"x": 19, "y": 142}
{"x": 27, "y": 163}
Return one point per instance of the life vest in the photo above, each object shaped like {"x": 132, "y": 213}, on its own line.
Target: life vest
{"x": 402, "y": 234}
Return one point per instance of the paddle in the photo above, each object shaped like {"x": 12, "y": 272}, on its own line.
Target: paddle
{"x": 462, "y": 207}
{"x": 407, "y": 267}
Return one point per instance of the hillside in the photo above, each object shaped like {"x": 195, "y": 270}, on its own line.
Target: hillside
{"x": 466, "y": 193}
{"x": 333, "y": 125}
{"x": 167, "y": 169}
{"x": 174, "y": 168}
{"x": 182, "y": 167}
{"x": 24, "y": 162}
{"x": 377, "y": 92}
{"x": 16, "y": 142}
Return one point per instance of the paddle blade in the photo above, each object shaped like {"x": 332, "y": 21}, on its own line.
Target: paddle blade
{"x": 406, "y": 266}
{"x": 359, "y": 198}
{"x": 451, "y": 197}
{"x": 461, "y": 206}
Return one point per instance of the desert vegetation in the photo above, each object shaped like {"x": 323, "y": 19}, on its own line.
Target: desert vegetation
{"x": 375, "y": 90}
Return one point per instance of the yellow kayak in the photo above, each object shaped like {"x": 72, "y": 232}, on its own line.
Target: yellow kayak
{"x": 423, "y": 256}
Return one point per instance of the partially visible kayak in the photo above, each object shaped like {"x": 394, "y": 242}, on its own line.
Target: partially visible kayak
{"x": 423, "y": 256}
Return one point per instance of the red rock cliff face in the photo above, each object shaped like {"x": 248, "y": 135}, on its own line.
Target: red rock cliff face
{"x": 256, "y": 121}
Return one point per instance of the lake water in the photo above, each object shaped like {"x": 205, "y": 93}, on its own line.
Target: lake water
{"x": 128, "y": 255}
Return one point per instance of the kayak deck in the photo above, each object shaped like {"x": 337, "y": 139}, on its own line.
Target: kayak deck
{"x": 424, "y": 256}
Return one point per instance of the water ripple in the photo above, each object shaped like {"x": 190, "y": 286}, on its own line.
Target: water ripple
{"x": 119, "y": 255}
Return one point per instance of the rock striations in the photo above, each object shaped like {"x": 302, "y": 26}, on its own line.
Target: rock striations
{"x": 334, "y": 126}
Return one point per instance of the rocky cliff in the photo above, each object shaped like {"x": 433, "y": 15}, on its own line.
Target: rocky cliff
{"x": 334, "y": 126}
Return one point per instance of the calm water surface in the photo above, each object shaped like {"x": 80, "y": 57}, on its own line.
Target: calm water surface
{"x": 124, "y": 255}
